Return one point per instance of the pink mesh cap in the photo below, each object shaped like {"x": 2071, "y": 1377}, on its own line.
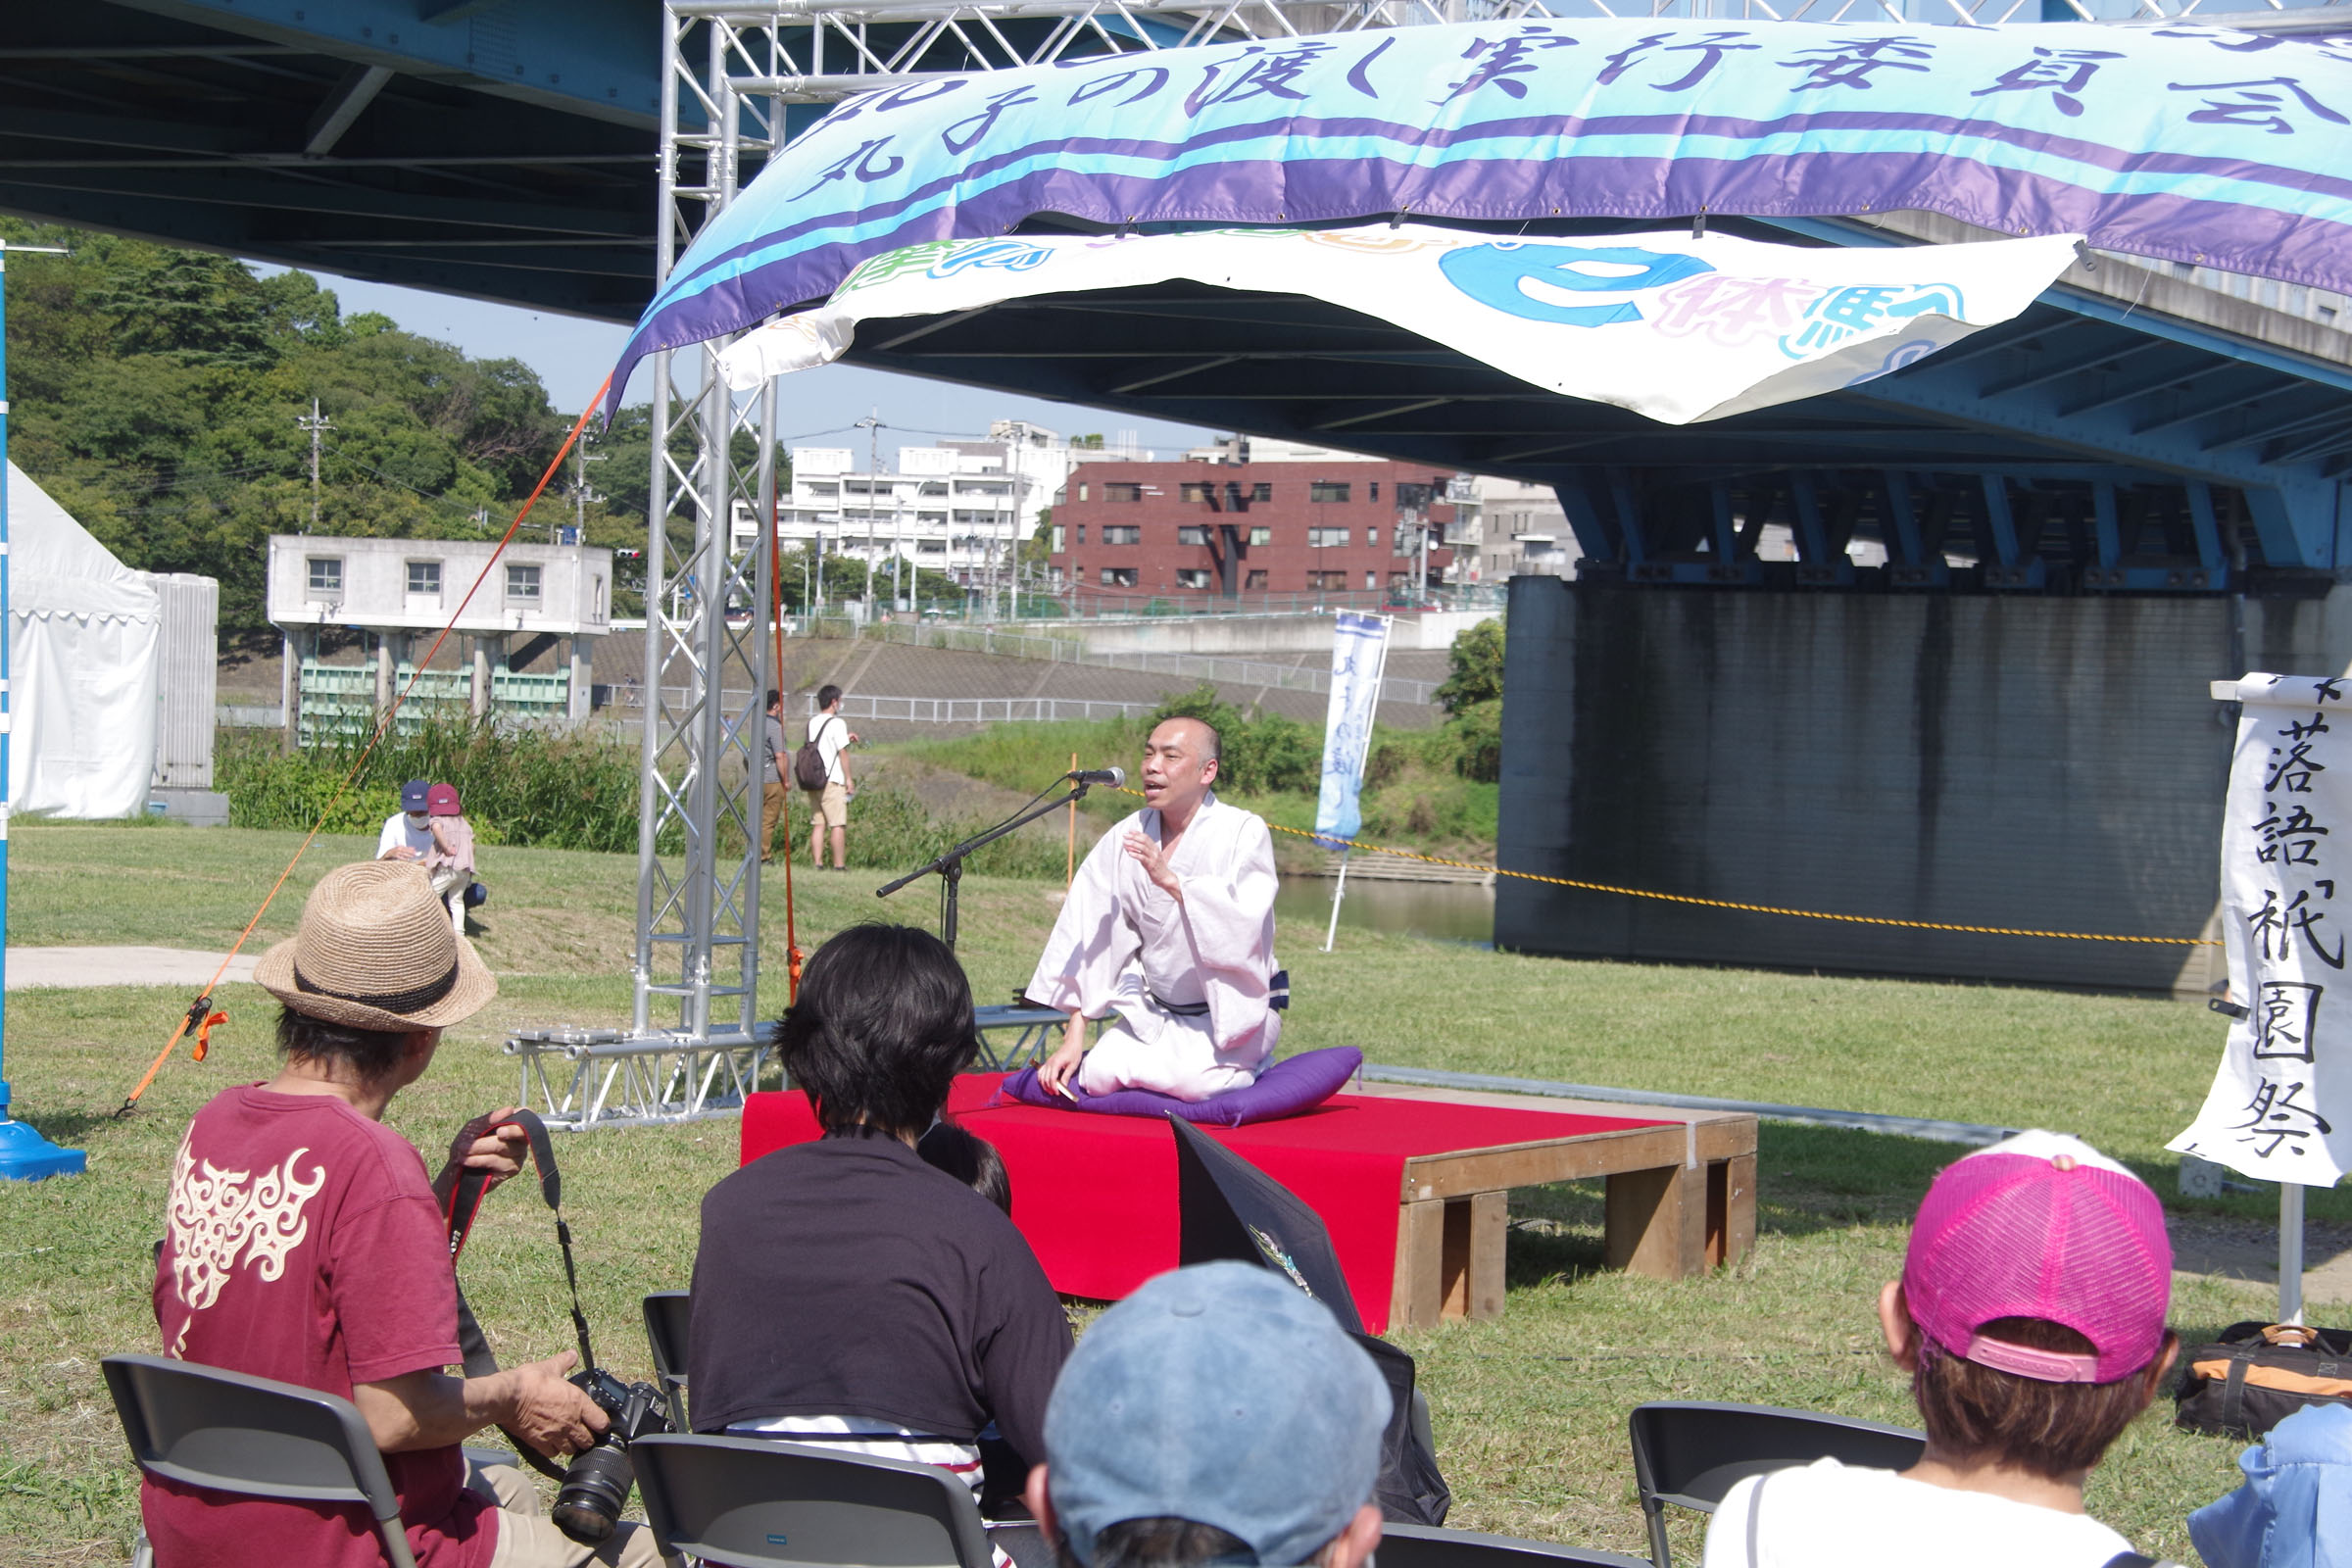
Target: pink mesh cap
{"x": 2041, "y": 1225}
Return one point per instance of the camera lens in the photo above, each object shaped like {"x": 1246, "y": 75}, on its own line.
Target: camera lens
{"x": 594, "y": 1489}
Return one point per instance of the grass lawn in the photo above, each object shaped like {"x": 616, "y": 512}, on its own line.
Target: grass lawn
{"x": 1530, "y": 1410}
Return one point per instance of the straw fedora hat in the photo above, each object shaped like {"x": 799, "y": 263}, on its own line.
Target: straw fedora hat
{"x": 374, "y": 951}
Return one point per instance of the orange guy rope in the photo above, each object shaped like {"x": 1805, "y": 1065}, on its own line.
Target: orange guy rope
{"x": 196, "y": 1016}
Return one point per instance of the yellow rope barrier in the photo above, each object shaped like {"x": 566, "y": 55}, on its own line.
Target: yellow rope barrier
{"x": 1728, "y": 903}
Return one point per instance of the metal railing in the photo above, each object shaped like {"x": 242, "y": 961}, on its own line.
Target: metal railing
{"x": 982, "y": 709}
{"x": 1189, "y": 666}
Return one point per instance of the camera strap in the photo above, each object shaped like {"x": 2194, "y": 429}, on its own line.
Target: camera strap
{"x": 464, "y": 1204}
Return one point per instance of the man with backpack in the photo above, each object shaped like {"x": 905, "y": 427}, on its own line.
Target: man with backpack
{"x": 822, "y": 767}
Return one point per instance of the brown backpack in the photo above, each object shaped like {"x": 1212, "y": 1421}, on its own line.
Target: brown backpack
{"x": 809, "y": 768}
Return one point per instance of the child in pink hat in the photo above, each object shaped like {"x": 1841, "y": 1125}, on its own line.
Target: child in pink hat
{"x": 2030, "y": 1316}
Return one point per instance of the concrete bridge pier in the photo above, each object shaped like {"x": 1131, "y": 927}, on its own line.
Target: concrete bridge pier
{"x": 2050, "y": 763}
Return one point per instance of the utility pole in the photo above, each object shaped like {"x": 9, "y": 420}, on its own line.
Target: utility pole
{"x": 581, "y": 495}
{"x": 318, "y": 425}
{"x": 873, "y": 425}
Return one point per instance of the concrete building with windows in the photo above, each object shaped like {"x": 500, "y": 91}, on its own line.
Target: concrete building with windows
{"x": 957, "y": 507}
{"x": 399, "y": 592}
{"x": 1222, "y": 523}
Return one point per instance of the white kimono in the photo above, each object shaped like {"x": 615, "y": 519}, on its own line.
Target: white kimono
{"x": 1123, "y": 948}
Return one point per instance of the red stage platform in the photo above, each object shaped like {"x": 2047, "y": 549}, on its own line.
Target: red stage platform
{"x": 1095, "y": 1195}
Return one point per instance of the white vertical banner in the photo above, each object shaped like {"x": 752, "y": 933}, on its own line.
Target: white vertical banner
{"x": 1358, "y": 651}
{"x": 2281, "y": 1106}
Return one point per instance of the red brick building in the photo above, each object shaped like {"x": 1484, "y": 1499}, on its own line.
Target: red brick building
{"x": 1236, "y": 529}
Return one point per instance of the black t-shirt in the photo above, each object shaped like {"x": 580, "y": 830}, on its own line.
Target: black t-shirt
{"x": 846, "y": 1277}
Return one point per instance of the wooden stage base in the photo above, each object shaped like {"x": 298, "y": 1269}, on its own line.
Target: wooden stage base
{"x": 1680, "y": 1200}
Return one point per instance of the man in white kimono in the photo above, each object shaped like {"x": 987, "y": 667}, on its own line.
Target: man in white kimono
{"x": 1168, "y": 932}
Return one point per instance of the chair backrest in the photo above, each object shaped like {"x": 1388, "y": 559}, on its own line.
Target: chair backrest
{"x": 205, "y": 1427}
{"x": 1434, "y": 1546}
{"x": 667, "y": 1315}
{"x": 753, "y": 1503}
{"x": 1691, "y": 1452}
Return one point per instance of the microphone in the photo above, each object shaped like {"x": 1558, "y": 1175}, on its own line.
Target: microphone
{"x": 1116, "y": 777}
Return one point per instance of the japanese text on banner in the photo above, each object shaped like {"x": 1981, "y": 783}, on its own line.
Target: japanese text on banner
{"x": 2278, "y": 1099}
{"x": 1360, "y": 645}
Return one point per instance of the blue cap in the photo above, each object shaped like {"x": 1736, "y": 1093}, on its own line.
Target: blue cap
{"x": 1223, "y": 1394}
{"x": 413, "y": 794}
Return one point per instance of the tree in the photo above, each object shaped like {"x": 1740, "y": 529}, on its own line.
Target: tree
{"x": 1476, "y": 669}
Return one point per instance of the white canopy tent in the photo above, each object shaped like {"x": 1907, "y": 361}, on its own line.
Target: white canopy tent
{"x": 83, "y": 636}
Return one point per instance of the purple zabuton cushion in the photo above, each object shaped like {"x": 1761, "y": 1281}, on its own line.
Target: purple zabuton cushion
{"x": 1285, "y": 1088}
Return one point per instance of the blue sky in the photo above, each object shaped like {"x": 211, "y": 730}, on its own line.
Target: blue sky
{"x": 572, "y": 357}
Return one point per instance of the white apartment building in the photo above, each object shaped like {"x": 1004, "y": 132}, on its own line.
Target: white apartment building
{"x": 957, "y": 507}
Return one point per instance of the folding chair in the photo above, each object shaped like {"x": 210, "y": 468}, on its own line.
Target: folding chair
{"x": 224, "y": 1430}
{"x": 1433, "y": 1547}
{"x": 667, "y": 1315}
{"x": 753, "y": 1503}
{"x": 1691, "y": 1453}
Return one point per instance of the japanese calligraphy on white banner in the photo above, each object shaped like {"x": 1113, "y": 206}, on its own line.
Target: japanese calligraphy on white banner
{"x": 1672, "y": 326}
{"x": 1358, "y": 655}
{"x": 2280, "y": 1106}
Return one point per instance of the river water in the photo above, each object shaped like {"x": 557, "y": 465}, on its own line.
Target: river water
{"x": 1448, "y": 912}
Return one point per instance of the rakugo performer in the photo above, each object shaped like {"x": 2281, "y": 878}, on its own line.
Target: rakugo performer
{"x": 1168, "y": 932}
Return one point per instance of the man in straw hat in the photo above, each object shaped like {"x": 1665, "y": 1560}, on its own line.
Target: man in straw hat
{"x": 305, "y": 1243}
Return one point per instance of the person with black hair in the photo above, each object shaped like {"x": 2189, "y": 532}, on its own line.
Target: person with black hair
{"x": 305, "y": 1243}
{"x": 847, "y": 1292}
{"x": 832, "y": 737}
{"x": 970, "y": 1158}
{"x": 775, "y": 784}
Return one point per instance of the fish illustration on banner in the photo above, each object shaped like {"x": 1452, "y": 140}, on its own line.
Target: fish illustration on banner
{"x": 2281, "y": 1106}
{"x": 2181, "y": 142}
{"x": 1677, "y": 327}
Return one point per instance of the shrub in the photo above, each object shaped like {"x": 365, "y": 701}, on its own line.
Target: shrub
{"x": 1476, "y": 669}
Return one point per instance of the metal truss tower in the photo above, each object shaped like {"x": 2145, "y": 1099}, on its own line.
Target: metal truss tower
{"x": 738, "y": 79}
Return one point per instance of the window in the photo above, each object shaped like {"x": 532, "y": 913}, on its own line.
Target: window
{"x": 523, "y": 585}
{"x": 930, "y": 546}
{"x": 1118, "y": 576}
{"x": 1374, "y": 487}
{"x": 1333, "y": 581}
{"x": 1327, "y": 490}
{"x": 424, "y": 579}
{"x": 1081, "y": 533}
{"x": 1326, "y": 538}
{"x": 828, "y": 487}
{"x": 1082, "y": 492}
{"x": 1192, "y": 576}
{"x": 1256, "y": 580}
{"x": 1261, "y": 536}
{"x": 1114, "y": 534}
{"x": 1122, "y": 492}
{"x": 327, "y": 576}
{"x": 1191, "y": 535}
{"x": 1195, "y": 494}
{"x": 1371, "y": 580}
{"x": 596, "y": 596}
{"x": 933, "y": 487}
{"x": 1261, "y": 492}
{"x": 1057, "y": 533}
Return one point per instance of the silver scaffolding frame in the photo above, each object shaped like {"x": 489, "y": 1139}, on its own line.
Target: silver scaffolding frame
{"x": 730, "y": 71}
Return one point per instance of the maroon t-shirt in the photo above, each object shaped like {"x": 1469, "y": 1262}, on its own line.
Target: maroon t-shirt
{"x": 303, "y": 1244}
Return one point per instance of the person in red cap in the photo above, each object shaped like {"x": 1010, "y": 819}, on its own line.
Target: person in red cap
{"x": 2030, "y": 1316}
{"x": 449, "y": 862}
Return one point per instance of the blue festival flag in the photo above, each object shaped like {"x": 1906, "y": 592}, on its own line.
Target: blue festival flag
{"x": 1358, "y": 651}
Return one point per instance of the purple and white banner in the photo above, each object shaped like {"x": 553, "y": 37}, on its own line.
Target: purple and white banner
{"x": 2188, "y": 143}
{"x": 1670, "y": 326}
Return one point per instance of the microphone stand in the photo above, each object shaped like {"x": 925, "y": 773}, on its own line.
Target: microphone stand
{"x": 950, "y": 862}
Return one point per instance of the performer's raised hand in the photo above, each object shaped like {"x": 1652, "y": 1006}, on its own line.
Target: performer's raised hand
{"x": 1155, "y": 862}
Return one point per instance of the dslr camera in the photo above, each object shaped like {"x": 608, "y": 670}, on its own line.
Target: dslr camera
{"x": 597, "y": 1486}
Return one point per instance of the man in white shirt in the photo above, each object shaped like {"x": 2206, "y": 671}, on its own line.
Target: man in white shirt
{"x": 2030, "y": 1316}
{"x": 832, "y": 736}
{"x": 1167, "y": 932}
{"x": 408, "y": 833}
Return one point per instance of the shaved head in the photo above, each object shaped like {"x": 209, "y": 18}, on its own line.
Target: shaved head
{"x": 1181, "y": 763}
